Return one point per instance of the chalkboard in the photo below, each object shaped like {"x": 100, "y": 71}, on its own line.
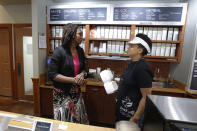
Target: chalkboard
{"x": 196, "y": 55}
{"x": 166, "y": 14}
{"x": 194, "y": 77}
{"x": 78, "y": 14}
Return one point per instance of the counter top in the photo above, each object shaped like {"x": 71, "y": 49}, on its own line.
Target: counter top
{"x": 176, "y": 109}
{"x": 91, "y": 82}
{"x": 172, "y": 90}
{"x": 71, "y": 126}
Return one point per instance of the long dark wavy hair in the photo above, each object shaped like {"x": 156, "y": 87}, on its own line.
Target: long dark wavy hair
{"x": 69, "y": 31}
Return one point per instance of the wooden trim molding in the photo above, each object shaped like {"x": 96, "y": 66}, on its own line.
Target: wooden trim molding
{"x": 36, "y": 96}
{"x": 22, "y": 25}
{"x": 179, "y": 85}
{"x": 15, "y": 89}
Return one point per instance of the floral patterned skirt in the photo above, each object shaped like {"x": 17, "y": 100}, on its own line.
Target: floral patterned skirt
{"x": 70, "y": 107}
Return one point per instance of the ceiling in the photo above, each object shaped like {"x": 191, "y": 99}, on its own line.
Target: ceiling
{"x": 13, "y": 2}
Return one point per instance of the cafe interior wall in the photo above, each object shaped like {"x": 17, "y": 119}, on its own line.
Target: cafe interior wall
{"x": 36, "y": 13}
{"x": 38, "y": 28}
{"x": 15, "y": 13}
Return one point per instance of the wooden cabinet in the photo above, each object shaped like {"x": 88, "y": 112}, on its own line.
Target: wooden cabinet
{"x": 174, "y": 37}
{"x": 100, "y": 106}
{"x": 46, "y": 102}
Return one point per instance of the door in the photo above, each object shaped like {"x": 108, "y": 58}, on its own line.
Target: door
{"x": 6, "y": 69}
{"x": 24, "y": 61}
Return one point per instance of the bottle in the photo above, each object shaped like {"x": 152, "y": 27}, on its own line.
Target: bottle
{"x": 170, "y": 80}
{"x": 156, "y": 74}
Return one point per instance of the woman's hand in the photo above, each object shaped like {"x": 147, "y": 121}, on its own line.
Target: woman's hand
{"x": 79, "y": 79}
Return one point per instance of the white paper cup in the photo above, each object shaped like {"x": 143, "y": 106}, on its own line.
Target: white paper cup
{"x": 126, "y": 126}
{"x": 110, "y": 87}
{"x": 106, "y": 76}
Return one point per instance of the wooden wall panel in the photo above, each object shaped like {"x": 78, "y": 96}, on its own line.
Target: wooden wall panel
{"x": 118, "y": 66}
{"x": 36, "y": 96}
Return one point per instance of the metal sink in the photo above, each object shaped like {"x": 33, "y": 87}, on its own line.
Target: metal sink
{"x": 160, "y": 85}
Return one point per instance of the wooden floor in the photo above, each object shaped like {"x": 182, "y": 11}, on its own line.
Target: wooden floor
{"x": 7, "y": 104}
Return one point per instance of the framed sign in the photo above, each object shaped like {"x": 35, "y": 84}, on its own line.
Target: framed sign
{"x": 42, "y": 126}
{"x": 193, "y": 68}
{"x": 62, "y": 14}
{"x": 150, "y": 14}
{"x": 143, "y": 14}
{"x": 193, "y": 85}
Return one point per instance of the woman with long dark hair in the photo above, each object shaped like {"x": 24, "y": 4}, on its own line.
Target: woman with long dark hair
{"x": 67, "y": 70}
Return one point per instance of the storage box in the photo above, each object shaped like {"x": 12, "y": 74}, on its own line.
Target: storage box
{"x": 176, "y": 34}
{"x": 158, "y": 49}
{"x": 154, "y": 34}
{"x": 170, "y": 34}
{"x": 153, "y": 51}
{"x": 173, "y": 50}
{"x": 164, "y": 33}
{"x": 167, "y": 51}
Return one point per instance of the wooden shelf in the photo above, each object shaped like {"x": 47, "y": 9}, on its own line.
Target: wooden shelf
{"x": 161, "y": 41}
{"x": 88, "y": 40}
{"x": 161, "y": 60}
{"x": 160, "y": 57}
{"x": 111, "y": 39}
{"x": 108, "y": 54}
{"x": 58, "y": 38}
{"x": 148, "y": 58}
{"x": 111, "y": 54}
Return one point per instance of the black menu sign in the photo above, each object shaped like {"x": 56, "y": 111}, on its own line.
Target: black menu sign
{"x": 196, "y": 55}
{"x": 78, "y": 14}
{"x": 166, "y": 14}
{"x": 42, "y": 126}
{"x": 194, "y": 77}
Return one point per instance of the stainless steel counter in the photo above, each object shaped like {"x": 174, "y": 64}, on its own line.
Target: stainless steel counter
{"x": 177, "y": 109}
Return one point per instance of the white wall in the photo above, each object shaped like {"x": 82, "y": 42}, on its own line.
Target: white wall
{"x": 15, "y": 13}
{"x": 38, "y": 27}
{"x": 182, "y": 70}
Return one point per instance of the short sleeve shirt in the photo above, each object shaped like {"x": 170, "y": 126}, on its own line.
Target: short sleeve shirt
{"x": 137, "y": 75}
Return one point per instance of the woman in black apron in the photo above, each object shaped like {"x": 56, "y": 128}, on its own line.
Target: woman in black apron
{"x": 135, "y": 82}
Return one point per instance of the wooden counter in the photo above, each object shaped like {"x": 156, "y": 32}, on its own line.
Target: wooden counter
{"x": 91, "y": 82}
{"x": 71, "y": 126}
{"x": 192, "y": 94}
{"x": 176, "y": 88}
{"x": 51, "y": 87}
{"x": 168, "y": 90}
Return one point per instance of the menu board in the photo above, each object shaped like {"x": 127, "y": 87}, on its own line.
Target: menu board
{"x": 148, "y": 14}
{"x": 169, "y": 14}
{"x": 193, "y": 85}
{"x": 78, "y": 14}
{"x": 196, "y": 56}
